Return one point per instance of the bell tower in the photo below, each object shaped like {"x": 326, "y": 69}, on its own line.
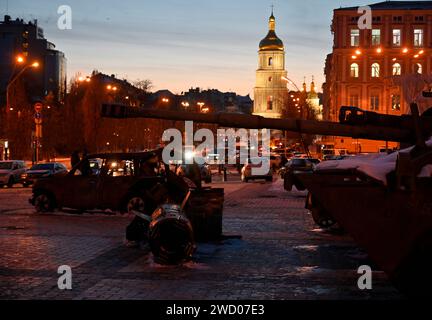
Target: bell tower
{"x": 270, "y": 93}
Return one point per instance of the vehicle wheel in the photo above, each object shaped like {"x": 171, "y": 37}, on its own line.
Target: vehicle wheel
{"x": 25, "y": 185}
{"x": 322, "y": 219}
{"x": 44, "y": 203}
{"x": 135, "y": 203}
{"x": 11, "y": 182}
{"x": 269, "y": 179}
{"x": 319, "y": 215}
{"x": 1, "y": 186}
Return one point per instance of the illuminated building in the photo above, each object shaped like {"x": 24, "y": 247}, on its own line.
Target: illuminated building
{"x": 270, "y": 93}
{"x": 363, "y": 61}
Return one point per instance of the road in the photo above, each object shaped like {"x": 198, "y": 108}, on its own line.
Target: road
{"x": 281, "y": 254}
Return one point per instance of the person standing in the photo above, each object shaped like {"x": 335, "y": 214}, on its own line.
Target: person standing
{"x": 75, "y": 158}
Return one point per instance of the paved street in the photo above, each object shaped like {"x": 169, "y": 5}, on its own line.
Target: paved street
{"x": 281, "y": 254}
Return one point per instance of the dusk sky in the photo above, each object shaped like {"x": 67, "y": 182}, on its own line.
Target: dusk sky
{"x": 180, "y": 44}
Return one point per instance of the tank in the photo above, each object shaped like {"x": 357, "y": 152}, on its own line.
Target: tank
{"x": 391, "y": 219}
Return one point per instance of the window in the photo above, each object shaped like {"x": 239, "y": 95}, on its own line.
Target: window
{"x": 374, "y": 102}
{"x": 419, "y": 68}
{"x": 418, "y": 37}
{"x": 355, "y": 37}
{"x": 270, "y": 103}
{"x": 396, "y": 104}
{"x": 375, "y": 70}
{"x": 397, "y": 69}
{"x": 376, "y": 37}
{"x": 419, "y": 18}
{"x": 397, "y": 37}
{"x": 270, "y": 61}
{"x": 354, "y": 100}
{"x": 354, "y": 73}
{"x": 397, "y": 19}
{"x": 270, "y": 79}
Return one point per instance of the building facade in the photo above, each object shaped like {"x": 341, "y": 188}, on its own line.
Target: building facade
{"x": 26, "y": 40}
{"x": 270, "y": 93}
{"x": 365, "y": 64}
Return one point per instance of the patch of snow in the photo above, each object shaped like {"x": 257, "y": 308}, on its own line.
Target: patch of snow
{"x": 377, "y": 166}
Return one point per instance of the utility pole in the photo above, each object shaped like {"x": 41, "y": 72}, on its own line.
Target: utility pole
{"x": 38, "y": 130}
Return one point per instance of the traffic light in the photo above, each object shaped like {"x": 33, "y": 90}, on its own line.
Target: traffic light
{"x": 25, "y": 43}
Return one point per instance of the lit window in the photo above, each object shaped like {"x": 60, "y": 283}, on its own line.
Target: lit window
{"x": 270, "y": 61}
{"x": 375, "y": 70}
{"x": 376, "y": 37}
{"x": 397, "y": 37}
{"x": 270, "y": 103}
{"x": 397, "y": 69}
{"x": 418, "y": 37}
{"x": 355, "y": 38}
{"x": 354, "y": 70}
{"x": 396, "y": 102}
{"x": 354, "y": 100}
{"x": 374, "y": 103}
{"x": 419, "y": 68}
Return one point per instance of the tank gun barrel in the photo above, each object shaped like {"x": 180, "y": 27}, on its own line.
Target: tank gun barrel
{"x": 375, "y": 131}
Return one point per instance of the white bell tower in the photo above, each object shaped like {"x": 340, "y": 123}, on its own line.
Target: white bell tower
{"x": 270, "y": 93}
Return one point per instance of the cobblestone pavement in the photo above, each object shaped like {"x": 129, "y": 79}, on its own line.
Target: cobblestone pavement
{"x": 281, "y": 254}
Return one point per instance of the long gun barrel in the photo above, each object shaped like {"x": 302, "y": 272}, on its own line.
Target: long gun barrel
{"x": 354, "y": 122}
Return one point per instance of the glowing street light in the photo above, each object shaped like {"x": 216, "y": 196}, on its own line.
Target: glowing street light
{"x": 19, "y": 59}
{"x": 84, "y": 79}
{"x": 290, "y": 82}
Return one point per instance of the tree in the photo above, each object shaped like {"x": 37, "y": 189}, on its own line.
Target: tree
{"x": 144, "y": 85}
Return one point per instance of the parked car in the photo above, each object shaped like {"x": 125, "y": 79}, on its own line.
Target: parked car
{"x": 299, "y": 164}
{"x": 10, "y": 172}
{"x": 124, "y": 182}
{"x": 42, "y": 170}
{"x": 275, "y": 161}
{"x": 294, "y": 166}
{"x": 247, "y": 174}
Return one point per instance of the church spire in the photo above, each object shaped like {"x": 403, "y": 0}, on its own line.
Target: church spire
{"x": 304, "y": 85}
{"x": 313, "y": 85}
{"x": 272, "y": 21}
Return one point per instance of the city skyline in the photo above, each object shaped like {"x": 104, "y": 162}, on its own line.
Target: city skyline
{"x": 165, "y": 42}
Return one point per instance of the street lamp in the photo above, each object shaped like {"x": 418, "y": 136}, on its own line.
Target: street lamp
{"x": 82, "y": 79}
{"x": 290, "y": 82}
{"x": 19, "y": 60}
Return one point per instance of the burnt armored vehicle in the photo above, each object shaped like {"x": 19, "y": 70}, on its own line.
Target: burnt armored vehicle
{"x": 391, "y": 217}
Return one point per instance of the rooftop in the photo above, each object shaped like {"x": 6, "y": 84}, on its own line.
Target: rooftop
{"x": 396, "y": 5}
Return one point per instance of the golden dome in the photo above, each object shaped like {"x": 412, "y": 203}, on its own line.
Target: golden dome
{"x": 271, "y": 41}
